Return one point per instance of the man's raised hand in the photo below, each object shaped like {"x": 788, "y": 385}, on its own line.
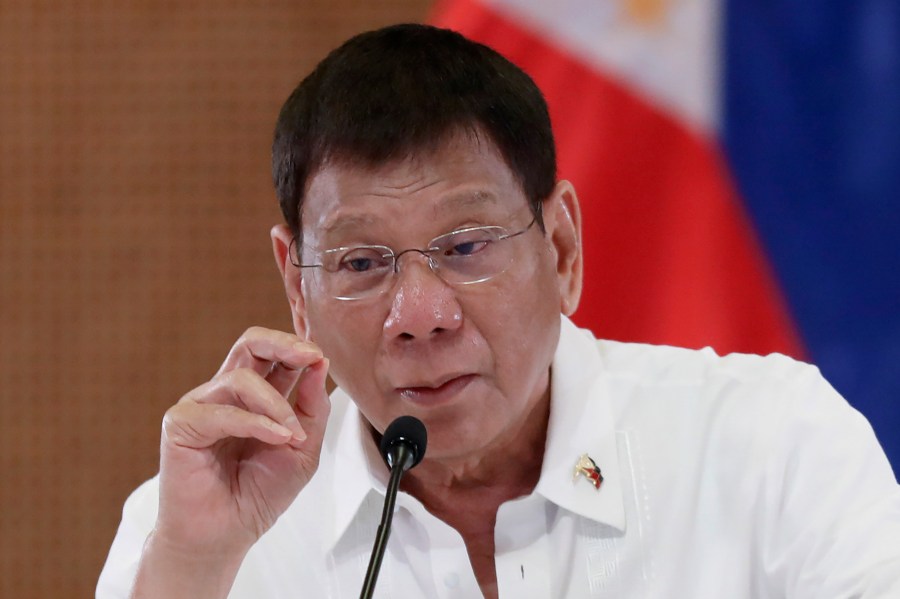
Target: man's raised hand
{"x": 237, "y": 450}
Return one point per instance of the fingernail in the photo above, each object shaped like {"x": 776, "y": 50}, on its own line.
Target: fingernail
{"x": 306, "y": 349}
{"x": 281, "y": 430}
{"x": 292, "y": 423}
{"x": 297, "y": 433}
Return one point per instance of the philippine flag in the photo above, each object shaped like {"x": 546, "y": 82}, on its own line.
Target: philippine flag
{"x": 738, "y": 165}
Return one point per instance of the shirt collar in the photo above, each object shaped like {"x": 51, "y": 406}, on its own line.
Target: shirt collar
{"x": 581, "y": 421}
{"x": 358, "y": 468}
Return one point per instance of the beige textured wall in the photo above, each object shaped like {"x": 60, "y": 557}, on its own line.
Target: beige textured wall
{"x": 135, "y": 205}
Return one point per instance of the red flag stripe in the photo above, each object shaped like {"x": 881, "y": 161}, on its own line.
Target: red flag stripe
{"x": 670, "y": 254}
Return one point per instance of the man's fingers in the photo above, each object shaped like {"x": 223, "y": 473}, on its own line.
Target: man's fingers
{"x": 258, "y": 348}
{"x": 312, "y": 405}
{"x": 258, "y": 376}
{"x": 198, "y": 426}
{"x": 283, "y": 377}
{"x": 245, "y": 389}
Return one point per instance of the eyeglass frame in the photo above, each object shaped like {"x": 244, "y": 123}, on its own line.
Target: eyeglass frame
{"x": 395, "y": 256}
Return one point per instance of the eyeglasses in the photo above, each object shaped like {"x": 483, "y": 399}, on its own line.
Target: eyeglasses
{"x": 462, "y": 257}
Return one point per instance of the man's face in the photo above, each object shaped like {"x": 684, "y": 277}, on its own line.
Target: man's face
{"x": 471, "y": 361}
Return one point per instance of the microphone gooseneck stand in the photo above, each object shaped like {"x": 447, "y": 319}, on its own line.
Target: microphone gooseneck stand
{"x": 402, "y": 446}
{"x": 384, "y": 529}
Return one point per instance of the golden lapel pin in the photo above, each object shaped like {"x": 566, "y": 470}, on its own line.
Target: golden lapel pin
{"x": 587, "y": 468}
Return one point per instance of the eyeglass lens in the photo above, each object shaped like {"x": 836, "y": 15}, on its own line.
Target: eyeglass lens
{"x": 461, "y": 257}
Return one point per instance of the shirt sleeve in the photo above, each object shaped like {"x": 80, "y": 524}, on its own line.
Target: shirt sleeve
{"x": 138, "y": 519}
{"x": 832, "y": 501}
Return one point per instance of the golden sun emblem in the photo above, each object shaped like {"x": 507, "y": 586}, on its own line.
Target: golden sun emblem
{"x": 646, "y": 12}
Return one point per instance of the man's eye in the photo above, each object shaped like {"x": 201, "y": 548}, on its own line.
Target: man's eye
{"x": 468, "y": 248}
{"x": 362, "y": 261}
{"x": 358, "y": 264}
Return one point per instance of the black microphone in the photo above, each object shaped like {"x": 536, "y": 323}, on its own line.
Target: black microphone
{"x": 402, "y": 447}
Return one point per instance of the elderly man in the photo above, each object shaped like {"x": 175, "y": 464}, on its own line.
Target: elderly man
{"x": 430, "y": 259}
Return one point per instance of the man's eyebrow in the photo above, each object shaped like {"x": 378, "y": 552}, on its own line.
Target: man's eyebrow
{"x": 349, "y": 222}
{"x": 451, "y": 204}
{"x": 467, "y": 200}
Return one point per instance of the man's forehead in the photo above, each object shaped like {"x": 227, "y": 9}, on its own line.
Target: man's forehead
{"x": 456, "y": 183}
{"x": 341, "y": 217}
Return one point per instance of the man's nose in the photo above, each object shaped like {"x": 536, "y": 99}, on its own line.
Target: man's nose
{"x": 423, "y": 305}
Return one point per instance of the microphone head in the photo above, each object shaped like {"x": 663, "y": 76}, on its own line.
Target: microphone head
{"x": 405, "y": 430}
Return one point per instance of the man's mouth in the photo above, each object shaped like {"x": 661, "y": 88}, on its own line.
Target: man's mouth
{"x": 436, "y": 392}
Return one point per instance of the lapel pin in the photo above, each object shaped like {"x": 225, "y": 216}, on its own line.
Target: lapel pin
{"x": 587, "y": 468}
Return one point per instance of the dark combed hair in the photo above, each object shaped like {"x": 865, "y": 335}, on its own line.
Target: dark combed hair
{"x": 387, "y": 94}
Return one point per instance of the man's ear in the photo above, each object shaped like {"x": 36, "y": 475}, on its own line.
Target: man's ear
{"x": 282, "y": 246}
{"x": 562, "y": 221}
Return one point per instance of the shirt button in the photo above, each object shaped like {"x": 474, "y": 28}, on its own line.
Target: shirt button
{"x": 451, "y": 580}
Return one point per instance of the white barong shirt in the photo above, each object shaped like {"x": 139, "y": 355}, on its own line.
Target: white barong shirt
{"x": 724, "y": 477}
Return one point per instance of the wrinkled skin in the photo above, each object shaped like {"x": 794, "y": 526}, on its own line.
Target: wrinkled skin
{"x": 500, "y": 334}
